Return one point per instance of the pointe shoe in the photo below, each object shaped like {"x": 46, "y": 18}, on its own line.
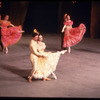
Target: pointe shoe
{"x": 54, "y": 75}
{"x": 68, "y": 51}
{"x": 55, "y": 78}
{"x": 29, "y": 79}
{"x": 46, "y": 79}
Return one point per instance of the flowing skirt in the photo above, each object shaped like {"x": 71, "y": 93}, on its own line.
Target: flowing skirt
{"x": 11, "y": 35}
{"x": 74, "y": 35}
{"x": 45, "y": 66}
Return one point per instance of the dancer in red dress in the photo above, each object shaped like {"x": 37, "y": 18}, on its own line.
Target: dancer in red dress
{"x": 9, "y": 35}
{"x": 72, "y": 36}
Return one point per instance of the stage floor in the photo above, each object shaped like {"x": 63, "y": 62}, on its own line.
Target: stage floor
{"x": 78, "y": 73}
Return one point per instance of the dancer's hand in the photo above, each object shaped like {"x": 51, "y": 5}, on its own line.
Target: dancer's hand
{"x": 12, "y": 25}
{"x": 44, "y": 56}
{"x": 62, "y": 31}
{"x": 21, "y": 31}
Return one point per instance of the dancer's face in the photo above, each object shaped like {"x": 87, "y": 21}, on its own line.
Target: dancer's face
{"x": 40, "y": 38}
{"x": 35, "y": 38}
{"x": 68, "y": 17}
{"x": 6, "y": 17}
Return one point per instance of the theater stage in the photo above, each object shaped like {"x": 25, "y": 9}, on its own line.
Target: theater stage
{"x": 78, "y": 73}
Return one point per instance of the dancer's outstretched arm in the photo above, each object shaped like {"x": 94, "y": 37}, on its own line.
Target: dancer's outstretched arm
{"x": 12, "y": 25}
{"x": 63, "y": 28}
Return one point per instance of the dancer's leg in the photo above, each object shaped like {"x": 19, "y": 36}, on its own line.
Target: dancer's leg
{"x": 45, "y": 78}
{"x": 6, "y": 50}
{"x": 69, "y": 49}
{"x": 62, "y": 52}
{"x": 54, "y": 75}
{"x": 33, "y": 70}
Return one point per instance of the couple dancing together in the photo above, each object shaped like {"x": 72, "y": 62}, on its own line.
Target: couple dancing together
{"x": 43, "y": 63}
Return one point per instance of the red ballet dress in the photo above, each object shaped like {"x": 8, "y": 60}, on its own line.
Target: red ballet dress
{"x": 10, "y": 36}
{"x": 72, "y": 36}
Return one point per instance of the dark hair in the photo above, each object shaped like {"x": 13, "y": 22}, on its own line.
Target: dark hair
{"x": 6, "y": 15}
{"x": 40, "y": 34}
{"x": 34, "y": 34}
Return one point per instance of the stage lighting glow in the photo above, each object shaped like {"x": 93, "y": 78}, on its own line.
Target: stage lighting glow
{"x": 73, "y": 2}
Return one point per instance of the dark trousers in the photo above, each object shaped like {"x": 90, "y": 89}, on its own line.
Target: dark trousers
{"x": 0, "y": 40}
{"x": 62, "y": 38}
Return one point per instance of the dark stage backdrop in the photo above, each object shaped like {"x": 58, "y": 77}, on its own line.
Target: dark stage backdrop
{"x": 95, "y": 20}
{"x": 16, "y": 10}
{"x": 42, "y": 15}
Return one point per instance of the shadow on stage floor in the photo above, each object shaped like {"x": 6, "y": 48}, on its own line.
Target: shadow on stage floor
{"x": 86, "y": 50}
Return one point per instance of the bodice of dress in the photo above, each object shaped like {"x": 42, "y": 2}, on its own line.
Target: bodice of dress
{"x": 68, "y": 23}
{"x": 3, "y": 24}
{"x": 41, "y": 46}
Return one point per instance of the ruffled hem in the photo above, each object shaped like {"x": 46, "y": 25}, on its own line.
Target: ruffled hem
{"x": 45, "y": 67}
{"x": 74, "y": 35}
{"x": 12, "y": 36}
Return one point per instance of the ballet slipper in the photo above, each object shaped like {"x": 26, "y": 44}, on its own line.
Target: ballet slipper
{"x": 69, "y": 50}
{"x": 55, "y": 77}
{"x": 29, "y": 79}
{"x": 46, "y": 79}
